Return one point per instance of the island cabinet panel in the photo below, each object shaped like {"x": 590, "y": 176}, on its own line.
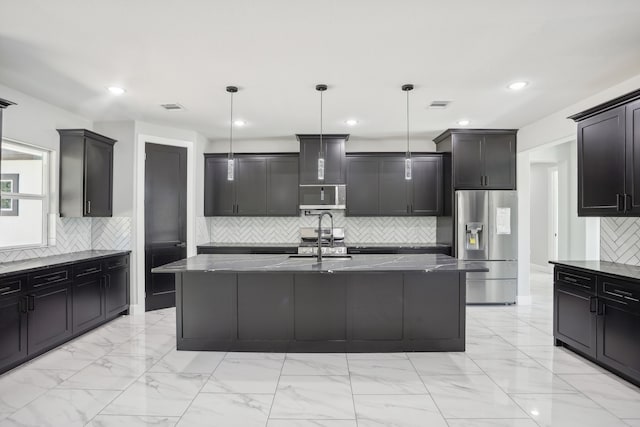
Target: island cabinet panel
{"x": 320, "y": 307}
{"x": 265, "y": 307}
{"x": 208, "y": 303}
{"x": 375, "y": 306}
{"x": 432, "y": 307}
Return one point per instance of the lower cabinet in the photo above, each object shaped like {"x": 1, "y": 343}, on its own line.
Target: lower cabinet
{"x": 599, "y": 316}
{"x": 49, "y": 307}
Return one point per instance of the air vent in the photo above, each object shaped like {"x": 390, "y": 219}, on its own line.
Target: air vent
{"x": 439, "y": 105}
{"x": 172, "y": 107}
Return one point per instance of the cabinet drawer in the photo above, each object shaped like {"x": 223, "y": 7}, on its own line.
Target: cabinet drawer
{"x": 118, "y": 262}
{"x": 577, "y": 279}
{"x": 87, "y": 268}
{"x": 12, "y": 285}
{"x": 49, "y": 277}
{"x": 619, "y": 290}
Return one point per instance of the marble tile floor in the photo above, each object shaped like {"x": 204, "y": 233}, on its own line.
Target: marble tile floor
{"x": 128, "y": 373}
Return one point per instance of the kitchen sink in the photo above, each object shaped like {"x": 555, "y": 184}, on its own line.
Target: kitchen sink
{"x": 328, "y": 257}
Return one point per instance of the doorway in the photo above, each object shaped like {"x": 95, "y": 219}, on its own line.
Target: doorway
{"x": 165, "y": 219}
{"x": 554, "y": 216}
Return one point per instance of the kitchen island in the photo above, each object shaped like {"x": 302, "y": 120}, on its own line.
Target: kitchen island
{"x": 359, "y": 303}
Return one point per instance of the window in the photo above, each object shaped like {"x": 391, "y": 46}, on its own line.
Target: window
{"x": 24, "y": 203}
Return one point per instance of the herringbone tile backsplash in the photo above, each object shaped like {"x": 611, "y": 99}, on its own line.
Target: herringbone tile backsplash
{"x": 620, "y": 240}
{"x": 357, "y": 229}
{"x": 111, "y": 233}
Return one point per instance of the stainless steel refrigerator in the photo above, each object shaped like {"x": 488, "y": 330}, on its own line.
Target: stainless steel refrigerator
{"x": 487, "y": 231}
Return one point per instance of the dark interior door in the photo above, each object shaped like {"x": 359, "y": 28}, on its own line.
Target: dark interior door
{"x": 98, "y": 179}
{"x": 165, "y": 208}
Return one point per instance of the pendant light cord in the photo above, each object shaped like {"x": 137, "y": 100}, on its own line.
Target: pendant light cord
{"x": 408, "y": 148}
{"x": 231, "y": 130}
{"x": 321, "y": 152}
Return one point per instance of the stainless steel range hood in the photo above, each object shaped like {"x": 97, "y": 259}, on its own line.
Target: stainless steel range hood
{"x": 323, "y": 197}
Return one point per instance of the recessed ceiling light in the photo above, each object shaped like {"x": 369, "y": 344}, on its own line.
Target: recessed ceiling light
{"x": 518, "y": 85}
{"x": 116, "y": 90}
{"x": 463, "y": 122}
{"x": 239, "y": 122}
{"x": 535, "y": 412}
{"x": 352, "y": 122}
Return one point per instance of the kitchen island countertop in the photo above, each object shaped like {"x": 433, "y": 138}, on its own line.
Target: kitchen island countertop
{"x": 286, "y": 263}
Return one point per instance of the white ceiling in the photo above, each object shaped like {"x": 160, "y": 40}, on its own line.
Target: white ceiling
{"x": 466, "y": 51}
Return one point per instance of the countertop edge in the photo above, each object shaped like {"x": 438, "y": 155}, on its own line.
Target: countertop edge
{"x": 62, "y": 263}
{"x": 620, "y": 275}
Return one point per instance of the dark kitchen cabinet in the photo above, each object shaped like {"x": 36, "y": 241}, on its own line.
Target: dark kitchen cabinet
{"x": 86, "y": 173}
{"x": 363, "y": 186}
{"x": 377, "y": 185}
{"x": 375, "y": 306}
{"x": 49, "y": 306}
{"x": 609, "y": 158}
{"x": 599, "y": 316}
{"x": 335, "y": 164}
{"x": 265, "y": 307}
{"x": 282, "y": 186}
{"x": 263, "y": 185}
{"x": 320, "y": 311}
{"x": 13, "y": 331}
{"x": 251, "y": 186}
{"x": 482, "y": 159}
{"x": 3, "y": 104}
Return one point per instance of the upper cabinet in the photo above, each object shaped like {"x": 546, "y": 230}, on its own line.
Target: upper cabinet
{"x": 376, "y": 185}
{"x": 609, "y": 158}
{"x": 3, "y": 104}
{"x": 263, "y": 185}
{"x": 335, "y": 162}
{"x": 86, "y": 173}
{"x": 483, "y": 159}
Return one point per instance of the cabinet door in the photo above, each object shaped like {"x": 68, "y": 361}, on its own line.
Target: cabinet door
{"x": 219, "y": 193}
{"x": 426, "y": 186}
{"x": 13, "y": 331}
{"x": 375, "y": 305}
{"x": 309, "y": 151}
{"x": 362, "y": 186}
{"x": 601, "y": 164}
{"x": 117, "y": 292}
{"x": 633, "y": 158}
{"x": 335, "y": 162}
{"x": 88, "y": 302}
{"x": 320, "y": 308}
{"x": 499, "y": 153}
{"x": 619, "y": 337}
{"x": 98, "y": 175}
{"x": 468, "y": 162}
{"x": 49, "y": 318}
{"x": 574, "y": 318}
{"x": 251, "y": 186}
{"x": 282, "y": 186}
{"x": 394, "y": 200}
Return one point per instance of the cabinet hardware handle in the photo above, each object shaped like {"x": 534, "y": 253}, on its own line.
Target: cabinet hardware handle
{"x": 481, "y": 180}
{"x": 569, "y": 279}
{"x": 22, "y": 306}
{"x": 619, "y": 202}
{"x": 88, "y": 206}
{"x": 632, "y": 299}
{"x": 5, "y": 289}
{"x": 601, "y": 309}
{"x": 621, "y": 293}
{"x": 627, "y": 203}
{"x": 91, "y": 270}
{"x": 58, "y": 277}
{"x": 593, "y": 304}
{"x": 31, "y": 302}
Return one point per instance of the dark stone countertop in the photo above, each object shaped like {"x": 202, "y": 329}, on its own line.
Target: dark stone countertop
{"x": 624, "y": 271}
{"x": 283, "y": 263}
{"x": 28, "y": 265}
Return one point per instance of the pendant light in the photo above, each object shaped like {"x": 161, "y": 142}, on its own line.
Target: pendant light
{"x": 407, "y": 160}
{"x": 230, "y": 161}
{"x": 321, "y": 88}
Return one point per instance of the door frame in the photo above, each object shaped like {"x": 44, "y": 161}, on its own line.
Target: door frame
{"x": 138, "y": 266}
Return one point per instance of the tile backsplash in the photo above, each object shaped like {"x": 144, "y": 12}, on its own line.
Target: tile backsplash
{"x": 79, "y": 234}
{"x": 286, "y": 229}
{"x": 620, "y": 240}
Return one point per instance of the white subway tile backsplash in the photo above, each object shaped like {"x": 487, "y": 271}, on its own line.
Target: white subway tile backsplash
{"x": 111, "y": 233}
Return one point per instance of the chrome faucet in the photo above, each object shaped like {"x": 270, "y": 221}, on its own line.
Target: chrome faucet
{"x": 320, "y": 216}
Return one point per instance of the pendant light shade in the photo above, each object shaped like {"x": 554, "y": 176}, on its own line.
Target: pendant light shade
{"x": 321, "y": 88}
{"x": 230, "y": 160}
{"x": 407, "y": 161}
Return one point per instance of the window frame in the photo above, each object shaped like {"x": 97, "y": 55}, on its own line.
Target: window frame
{"x": 45, "y": 197}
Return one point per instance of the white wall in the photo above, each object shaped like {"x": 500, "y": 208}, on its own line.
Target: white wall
{"x": 540, "y": 201}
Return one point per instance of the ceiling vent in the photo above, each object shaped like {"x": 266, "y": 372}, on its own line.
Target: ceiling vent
{"x": 172, "y": 107}
{"x": 439, "y": 105}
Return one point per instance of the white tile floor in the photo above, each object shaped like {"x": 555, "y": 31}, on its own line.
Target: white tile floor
{"x": 128, "y": 373}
